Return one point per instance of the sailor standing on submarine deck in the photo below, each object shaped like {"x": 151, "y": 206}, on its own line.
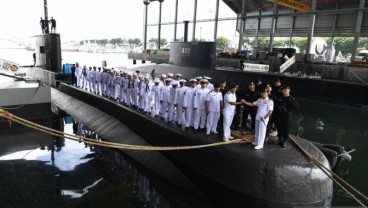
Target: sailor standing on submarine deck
{"x": 181, "y": 90}
{"x": 188, "y": 103}
{"x": 199, "y": 106}
{"x": 229, "y": 111}
{"x": 264, "y": 111}
{"x": 213, "y": 106}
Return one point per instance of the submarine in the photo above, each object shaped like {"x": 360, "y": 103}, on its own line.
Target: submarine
{"x": 272, "y": 177}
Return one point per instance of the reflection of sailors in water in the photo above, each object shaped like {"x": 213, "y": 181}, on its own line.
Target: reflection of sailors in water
{"x": 319, "y": 124}
{"x": 80, "y": 131}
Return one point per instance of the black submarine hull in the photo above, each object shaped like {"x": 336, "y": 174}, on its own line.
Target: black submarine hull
{"x": 273, "y": 177}
{"x": 320, "y": 90}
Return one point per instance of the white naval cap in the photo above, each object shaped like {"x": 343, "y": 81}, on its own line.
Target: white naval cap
{"x": 168, "y": 80}
{"x": 174, "y": 82}
{"x": 170, "y": 74}
{"x": 156, "y": 80}
{"x": 178, "y": 75}
{"x": 140, "y": 76}
{"x": 135, "y": 74}
{"x": 192, "y": 80}
{"x": 163, "y": 75}
{"x": 199, "y": 78}
{"x": 204, "y": 81}
{"x": 182, "y": 80}
{"x": 208, "y": 78}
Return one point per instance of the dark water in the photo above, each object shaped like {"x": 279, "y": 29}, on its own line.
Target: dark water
{"x": 63, "y": 173}
{"x": 345, "y": 126}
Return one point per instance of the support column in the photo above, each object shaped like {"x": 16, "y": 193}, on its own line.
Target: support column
{"x": 358, "y": 27}
{"x": 273, "y": 25}
{"x": 242, "y": 27}
{"x": 159, "y": 26}
{"x": 333, "y": 32}
{"x": 145, "y": 25}
{"x": 194, "y": 20}
{"x": 312, "y": 21}
{"x": 176, "y": 19}
{"x": 216, "y": 20}
{"x": 258, "y": 27}
{"x": 292, "y": 31}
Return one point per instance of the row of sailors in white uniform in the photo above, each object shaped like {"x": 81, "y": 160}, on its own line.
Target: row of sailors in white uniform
{"x": 195, "y": 106}
{"x": 168, "y": 97}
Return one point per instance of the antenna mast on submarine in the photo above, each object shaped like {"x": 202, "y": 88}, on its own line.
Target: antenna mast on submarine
{"x": 46, "y": 16}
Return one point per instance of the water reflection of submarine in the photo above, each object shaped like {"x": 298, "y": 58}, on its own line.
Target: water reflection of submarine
{"x": 113, "y": 130}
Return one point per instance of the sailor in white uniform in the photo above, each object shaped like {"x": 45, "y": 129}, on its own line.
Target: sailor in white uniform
{"x": 134, "y": 90}
{"x": 141, "y": 88}
{"x": 122, "y": 86}
{"x": 180, "y": 101}
{"x": 78, "y": 74}
{"x": 199, "y": 106}
{"x": 170, "y": 76}
{"x": 112, "y": 84}
{"x": 164, "y": 98}
{"x": 209, "y": 84}
{"x": 172, "y": 100}
{"x": 199, "y": 78}
{"x": 104, "y": 78}
{"x": 84, "y": 75}
{"x": 189, "y": 103}
{"x": 94, "y": 78}
{"x": 229, "y": 111}
{"x": 156, "y": 95}
{"x": 129, "y": 87}
{"x": 213, "y": 106}
{"x": 98, "y": 81}
{"x": 147, "y": 94}
{"x": 178, "y": 76}
{"x": 162, "y": 79}
{"x": 91, "y": 79}
{"x": 108, "y": 81}
{"x": 264, "y": 111}
{"x": 117, "y": 86}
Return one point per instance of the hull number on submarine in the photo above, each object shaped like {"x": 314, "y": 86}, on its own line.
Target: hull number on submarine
{"x": 186, "y": 51}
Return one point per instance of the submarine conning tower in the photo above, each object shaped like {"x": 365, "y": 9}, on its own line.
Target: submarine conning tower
{"x": 193, "y": 54}
{"x": 48, "y": 52}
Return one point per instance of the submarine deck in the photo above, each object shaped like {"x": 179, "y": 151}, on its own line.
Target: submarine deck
{"x": 271, "y": 153}
{"x": 236, "y": 167}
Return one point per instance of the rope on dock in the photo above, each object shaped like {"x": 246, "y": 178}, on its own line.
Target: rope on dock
{"x": 333, "y": 176}
{"x": 12, "y": 118}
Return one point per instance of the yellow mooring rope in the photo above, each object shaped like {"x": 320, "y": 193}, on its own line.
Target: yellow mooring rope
{"x": 12, "y": 118}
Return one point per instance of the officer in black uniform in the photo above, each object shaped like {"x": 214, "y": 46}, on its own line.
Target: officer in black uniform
{"x": 285, "y": 106}
{"x": 251, "y": 95}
